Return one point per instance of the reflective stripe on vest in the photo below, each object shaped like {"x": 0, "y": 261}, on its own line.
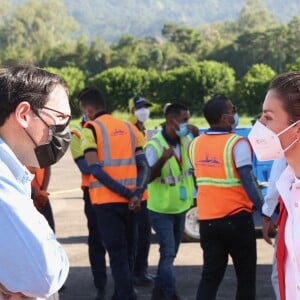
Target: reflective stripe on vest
{"x": 127, "y": 181}
{"x": 109, "y": 162}
{"x": 76, "y": 129}
{"x": 85, "y": 178}
{"x": 230, "y": 180}
{"x": 171, "y": 179}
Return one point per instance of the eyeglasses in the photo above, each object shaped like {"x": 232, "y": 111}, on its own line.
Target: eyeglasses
{"x": 61, "y": 114}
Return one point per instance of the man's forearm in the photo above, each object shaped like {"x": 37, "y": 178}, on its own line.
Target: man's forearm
{"x": 156, "y": 168}
{"x": 97, "y": 171}
{"x": 143, "y": 171}
{"x": 82, "y": 165}
{"x": 251, "y": 186}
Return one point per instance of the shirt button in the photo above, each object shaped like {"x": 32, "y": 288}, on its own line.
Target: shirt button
{"x": 298, "y": 287}
{"x": 296, "y": 204}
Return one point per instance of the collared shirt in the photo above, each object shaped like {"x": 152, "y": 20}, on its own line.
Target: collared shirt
{"x": 271, "y": 198}
{"x": 151, "y": 153}
{"x": 241, "y": 151}
{"x": 31, "y": 260}
{"x": 289, "y": 190}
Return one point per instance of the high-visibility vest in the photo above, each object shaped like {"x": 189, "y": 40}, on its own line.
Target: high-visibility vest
{"x": 39, "y": 177}
{"x": 116, "y": 144}
{"x": 76, "y": 130}
{"x": 220, "y": 191}
{"x": 166, "y": 191}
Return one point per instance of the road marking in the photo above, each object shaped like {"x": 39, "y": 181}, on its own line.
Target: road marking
{"x": 64, "y": 191}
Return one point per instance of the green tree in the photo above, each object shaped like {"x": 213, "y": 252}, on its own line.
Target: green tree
{"x": 124, "y": 53}
{"x": 187, "y": 40}
{"x": 292, "y": 47}
{"x": 34, "y": 28}
{"x": 193, "y": 85}
{"x": 252, "y": 88}
{"x": 75, "y": 80}
{"x": 119, "y": 85}
{"x": 98, "y": 57}
{"x": 179, "y": 85}
{"x": 5, "y": 7}
{"x": 295, "y": 66}
{"x": 254, "y": 16}
{"x": 268, "y": 47}
{"x": 216, "y": 78}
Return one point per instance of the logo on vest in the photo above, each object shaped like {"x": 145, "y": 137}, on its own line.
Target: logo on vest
{"x": 118, "y": 132}
{"x": 212, "y": 162}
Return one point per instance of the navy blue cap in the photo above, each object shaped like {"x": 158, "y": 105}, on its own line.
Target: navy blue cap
{"x": 140, "y": 101}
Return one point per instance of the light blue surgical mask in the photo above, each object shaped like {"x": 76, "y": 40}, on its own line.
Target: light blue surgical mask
{"x": 85, "y": 118}
{"x": 236, "y": 121}
{"x": 183, "y": 129}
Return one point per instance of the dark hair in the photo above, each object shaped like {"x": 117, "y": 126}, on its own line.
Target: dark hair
{"x": 25, "y": 83}
{"x": 215, "y": 108}
{"x": 175, "y": 109}
{"x": 92, "y": 96}
{"x": 287, "y": 88}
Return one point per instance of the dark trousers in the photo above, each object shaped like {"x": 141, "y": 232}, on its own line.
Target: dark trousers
{"x": 143, "y": 240}
{"x": 234, "y": 236}
{"x": 117, "y": 225}
{"x": 47, "y": 212}
{"x": 95, "y": 246}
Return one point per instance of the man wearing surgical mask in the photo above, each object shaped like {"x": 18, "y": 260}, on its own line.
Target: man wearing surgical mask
{"x": 227, "y": 195}
{"x": 171, "y": 191}
{"x": 139, "y": 114}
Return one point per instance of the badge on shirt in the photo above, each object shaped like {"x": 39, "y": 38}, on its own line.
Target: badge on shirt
{"x": 183, "y": 195}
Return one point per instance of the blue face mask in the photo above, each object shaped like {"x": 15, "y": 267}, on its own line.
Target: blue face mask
{"x": 85, "y": 118}
{"x": 236, "y": 121}
{"x": 183, "y": 129}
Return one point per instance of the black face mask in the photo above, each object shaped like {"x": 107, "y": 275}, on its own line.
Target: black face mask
{"x": 56, "y": 146}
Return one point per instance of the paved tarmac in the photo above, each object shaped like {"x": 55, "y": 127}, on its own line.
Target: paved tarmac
{"x": 71, "y": 230}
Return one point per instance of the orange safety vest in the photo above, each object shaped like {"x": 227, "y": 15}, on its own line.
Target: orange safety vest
{"x": 220, "y": 191}
{"x": 85, "y": 178}
{"x": 116, "y": 144}
{"x": 39, "y": 177}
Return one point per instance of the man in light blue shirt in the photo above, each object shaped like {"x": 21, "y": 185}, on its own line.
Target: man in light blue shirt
{"x": 34, "y": 117}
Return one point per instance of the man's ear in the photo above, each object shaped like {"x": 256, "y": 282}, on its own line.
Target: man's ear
{"x": 22, "y": 113}
{"x": 223, "y": 119}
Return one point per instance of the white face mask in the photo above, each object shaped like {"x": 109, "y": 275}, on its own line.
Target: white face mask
{"x": 142, "y": 114}
{"x": 266, "y": 143}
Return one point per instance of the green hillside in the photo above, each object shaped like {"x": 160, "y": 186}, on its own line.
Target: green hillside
{"x": 113, "y": 18}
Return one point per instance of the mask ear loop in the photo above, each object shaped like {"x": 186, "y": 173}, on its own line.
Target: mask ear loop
{"x": 286, "y": 129}
{"x": 37, "y": 114}
{"x": 289, "y": 127}
{"x": 35, "y": 144}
